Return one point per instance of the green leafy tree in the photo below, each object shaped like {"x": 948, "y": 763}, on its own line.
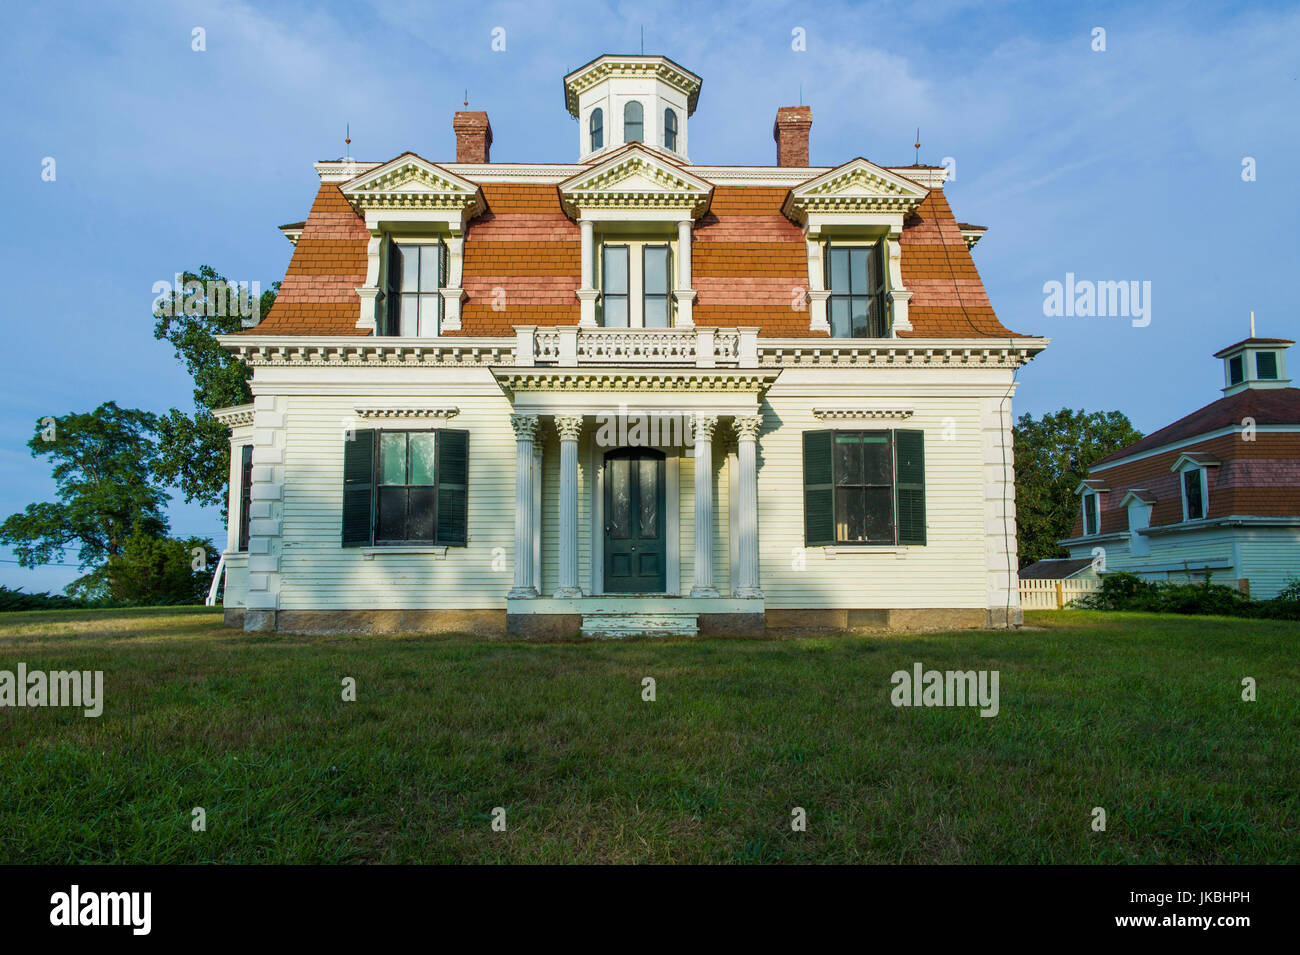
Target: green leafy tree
{"x": 194, "y": 448}
{"x": 161, "y": 570}
{"x": 102, "y": 464}
{"x": 1052, "y": 456}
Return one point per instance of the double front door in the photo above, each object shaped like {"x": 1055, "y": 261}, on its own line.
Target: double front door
{"x": 634, "y": 521}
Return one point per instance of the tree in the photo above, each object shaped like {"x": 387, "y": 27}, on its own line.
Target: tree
{"x": 161, "y": 570}
{"x": 103, "y": 464}
{"x": 194, "y": 449}
{"x": 1052, "y": 456}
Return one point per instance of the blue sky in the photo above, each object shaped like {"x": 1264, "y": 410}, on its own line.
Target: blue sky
{"x": 1117, "y": 165}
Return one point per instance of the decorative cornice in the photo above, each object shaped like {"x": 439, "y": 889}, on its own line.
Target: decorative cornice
{"x": 658, "y": 67}
{"x": 235, "y": 416}
{"x": 412, "y": 183}
{"x": 368, "y": 351}
{"x": 852, "y": 189}
{"x": 837, "y": 414}
{"x": 898, "y": 352}
{"x": 409, "y": 411}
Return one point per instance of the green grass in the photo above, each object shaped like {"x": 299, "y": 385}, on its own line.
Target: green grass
{"x": 1138, "y": 714}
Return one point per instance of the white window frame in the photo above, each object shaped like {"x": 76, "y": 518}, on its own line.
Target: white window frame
{"x": 1083, "y": 499}
{"x": 422, "y": 239}
{"x": 1205, "y": 491}
{"x": 636, "y": 275}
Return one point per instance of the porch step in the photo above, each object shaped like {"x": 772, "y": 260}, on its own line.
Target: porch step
{"x": 618, "y": 623}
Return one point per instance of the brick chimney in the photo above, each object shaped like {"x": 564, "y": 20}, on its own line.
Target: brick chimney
{"x": 474, "y": 136}
{"x": 791, "y": 134}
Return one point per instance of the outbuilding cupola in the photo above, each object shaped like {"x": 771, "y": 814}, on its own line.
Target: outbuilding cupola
{"x": 631, "y": 99}
{"x": 1255, "y": 363}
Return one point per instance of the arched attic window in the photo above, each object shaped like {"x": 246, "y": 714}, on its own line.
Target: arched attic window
{"x": 597, "y": 128}
{"x": 633, "y": 123}
{"x": 670, "y": 129}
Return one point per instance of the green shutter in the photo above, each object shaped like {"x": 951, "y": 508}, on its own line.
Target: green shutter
{"x": 392, "y": 293}
{"x": 358, "y": 488}
{"x": 453, "y": 487}
{"x": 818, "y": 489}
{"x": 909, "y": 485}
{"x": 442, "y": 279}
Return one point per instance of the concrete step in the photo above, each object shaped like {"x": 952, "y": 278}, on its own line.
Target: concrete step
{"x": 615, "y": 624}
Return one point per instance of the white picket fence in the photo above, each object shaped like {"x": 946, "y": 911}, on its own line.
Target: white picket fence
{"x": 1053, "y": 593}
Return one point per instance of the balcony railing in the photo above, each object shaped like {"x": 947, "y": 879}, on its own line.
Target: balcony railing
{"x": 700, "y": 347}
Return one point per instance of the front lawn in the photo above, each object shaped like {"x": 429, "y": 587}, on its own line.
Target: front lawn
{"x": 1138, "y": 714}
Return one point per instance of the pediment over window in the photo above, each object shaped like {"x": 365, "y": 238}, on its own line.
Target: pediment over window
{"x": 410, "y": 183}
{"x": 856, "y": 188}
{"x": 639, "y": 179}
{"x": 1194, "y": 459}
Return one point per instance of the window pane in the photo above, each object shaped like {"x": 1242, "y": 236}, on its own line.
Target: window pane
{"x": 392, "y": 458}
{"x": 421, "y": 452}
{"x": 428, "y": 268}
{"x": 428, "y": 315}
{"x": 670, "y": 130}
{"x": 850, "y": 514}
{"x": 632, "y": 122}
{"x": 877, "y": 459}
{"x": 419, "y": 514}
{"x": 615, "y": 269}
{"x": 656, "y": 269}
{"x": 858, "y": 310}
{"x": 876, "y": 317}
{"x": 878, "y": 504}
{"x": 391, "y": 524}
{"x": 410, "y": 268}
{"x": 1266, "y": 365}
{"x": 597, "y": 128}
{"x": 840, "y": 270}
{"x": 649, "y": 502}
{"x": 409, "y": 322}
{"x": 656, "y": 311}
{"x": 616, "y": 311}
{"x": 858, "y": 269}
{"x": 841, "y": 327}
{"x": 1192, "y": 488}
{"x": 620, "y": 487}
{"x": 848, "y": 459}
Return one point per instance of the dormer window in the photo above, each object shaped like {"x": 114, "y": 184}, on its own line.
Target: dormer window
{"x": 670, "y": 130}
{"x": 855, "y": 279}
{"x": 1266, "y": 365}
{"x": 1091, "y": 513}
{"x": 1194, "y": 494}
{"x": 633, "y": 123}
{"x": 597, "y": 126}
{"x": 416, "y": 273}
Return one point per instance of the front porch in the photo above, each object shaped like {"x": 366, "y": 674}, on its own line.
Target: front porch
{"x": 635, "y": 512}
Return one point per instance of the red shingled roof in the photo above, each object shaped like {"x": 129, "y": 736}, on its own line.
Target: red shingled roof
{"x": 748, "y": 260}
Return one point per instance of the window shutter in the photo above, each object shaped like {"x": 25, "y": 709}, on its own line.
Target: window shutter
{"x": 818, "y": 489}
{"x": 245, "y": 496}
{"x": 358, "y": 488}
{"x": 826, "y": 265}
{"x": 909, "y": 485}
{"x": 392, "y": 298}
{"x": 453, "y": 487}
{"x": 442, "y": 279}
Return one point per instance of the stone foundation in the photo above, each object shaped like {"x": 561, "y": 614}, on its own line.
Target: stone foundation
{"x": 563, "y": 626}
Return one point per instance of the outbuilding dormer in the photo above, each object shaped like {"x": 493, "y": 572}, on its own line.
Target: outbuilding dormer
{"x": 631, "y": 99}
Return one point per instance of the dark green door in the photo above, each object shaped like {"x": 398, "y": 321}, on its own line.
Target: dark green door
{"x": 634, "y": 521}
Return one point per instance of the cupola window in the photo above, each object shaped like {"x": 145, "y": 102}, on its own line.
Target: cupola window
{"x": 670, "y": 130}
{"x": 597, "y": 128}
{"x": 633, "y": 123}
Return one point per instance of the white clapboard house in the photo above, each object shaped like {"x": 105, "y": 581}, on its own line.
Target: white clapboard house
{"x": 628, "y": 394}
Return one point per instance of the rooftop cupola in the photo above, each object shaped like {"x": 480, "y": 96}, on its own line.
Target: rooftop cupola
{"x": 1255, "y": 363}
{"x": 625, "y": 99}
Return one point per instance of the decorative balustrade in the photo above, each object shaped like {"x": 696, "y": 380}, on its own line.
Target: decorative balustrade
{"x": 567, "y": 346}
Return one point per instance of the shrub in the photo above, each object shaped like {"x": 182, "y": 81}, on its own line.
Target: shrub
{"x": 1125, "y": 591}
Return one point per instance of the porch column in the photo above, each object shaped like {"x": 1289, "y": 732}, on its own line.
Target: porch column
{"x": 570, "y": 428}
{"x": 525, "y": 426}
{"x": 704, "y": 427}
{"x": 746, "y": 573}
{"x": 537, "y": 514}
